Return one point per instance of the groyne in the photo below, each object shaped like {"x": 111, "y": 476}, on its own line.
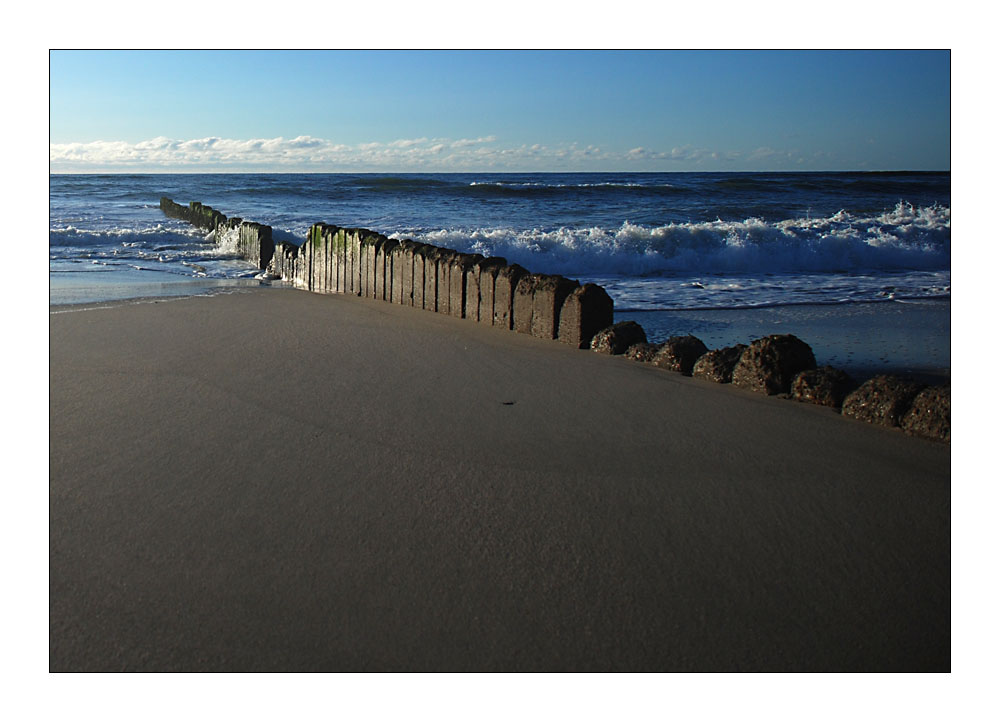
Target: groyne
{"x": 254, "y": 241}
{"x": 366, "y": 263}
{"x": 492, "y": 292}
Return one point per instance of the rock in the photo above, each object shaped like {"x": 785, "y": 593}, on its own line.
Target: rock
{"x": 930, "y": 414}
{"x": 679, "y": 353}
{"x": 825, "y": 386}
{"x": 616, "y": 339}
{"x": 769, "y": 364}
{"x": 882, "y": 400}
{"x": 643, "y": 352}
{"x": 718, "y": 365}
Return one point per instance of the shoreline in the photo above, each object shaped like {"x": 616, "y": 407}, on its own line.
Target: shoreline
{"x": 908, "y": 338}
{"x": 281, "y": 480}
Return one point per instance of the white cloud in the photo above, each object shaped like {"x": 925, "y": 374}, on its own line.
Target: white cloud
{"x": 465, "y": 142}
{"x": 307, "y": 153}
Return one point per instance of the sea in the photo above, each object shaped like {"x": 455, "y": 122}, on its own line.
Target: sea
{"x": 661, "y": 244}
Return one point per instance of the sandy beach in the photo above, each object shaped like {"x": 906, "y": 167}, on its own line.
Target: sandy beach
{"x": 281, "y": 481}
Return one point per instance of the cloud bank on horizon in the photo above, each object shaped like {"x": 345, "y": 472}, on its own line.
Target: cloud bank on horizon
{"x": 306, "y": 153}
{"x": 513, "y": 111}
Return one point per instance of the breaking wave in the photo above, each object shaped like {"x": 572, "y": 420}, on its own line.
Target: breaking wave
{"x": 905, "y": 238}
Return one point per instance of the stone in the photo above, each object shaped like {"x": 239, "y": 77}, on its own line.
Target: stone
{"x": 930, "y": 414}
{"x": 643, "y": 352}
{"x": 769, "y": 364}
{"x": 825, "y": 386}
{"x": 585, "y": 311}
{"x": 679, "y": 353}
{"x": 882, "y": 400}
{"x": 717, "y": 365}
{"x": 616, "y": 339}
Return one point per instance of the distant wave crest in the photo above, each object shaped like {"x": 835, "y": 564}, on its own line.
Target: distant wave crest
{"x": 905, "y": 238}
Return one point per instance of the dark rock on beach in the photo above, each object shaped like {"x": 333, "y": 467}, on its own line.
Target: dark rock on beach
{"x": 769, "y": 364}
{"x": 718, "y": 365}
{"x": 679, "y": 353}
{"x": 930, "y": 414}
{"x": 616, "y": 339}
{"x": 825, "y": 386}
{"x": 643, "y": 352}
{"x": 882, "y": 400}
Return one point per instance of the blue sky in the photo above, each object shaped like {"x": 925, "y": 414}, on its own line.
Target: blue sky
{"x": 422, "y": 111}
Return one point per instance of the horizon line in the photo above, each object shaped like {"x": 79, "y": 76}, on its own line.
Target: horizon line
{"x": 468, "y": 172}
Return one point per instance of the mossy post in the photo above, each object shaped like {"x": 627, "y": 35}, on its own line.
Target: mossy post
{"x": 444, "y": 258}
{"x": 338, "y": 242}
{"x": 347, "y": 274}
{"x": 461, "y": 265}
{"x": 254, "y": 241}
{"x": 266, "y": 246}
{"x": 524, "y": 302}
{"x": 432, "y": 256}
{"x": 354, "y": 255}
{"x": 383, "y": 270}
{"x": 316, "y": 268}
{"x": 410, "y": 257}
{"x": 586, "y": 310}
{"x": 370, "y": 244}
{"x": 419, "y": 258}
{"x": 503, "y": 298}
{"x": 365, "y": 263}
{"x": 481, "y": 283}
{"x": 332, "y": 264}
{"x": 399, "y": 264}
{"x": 546, "y": 304}
{"x": 283, "y": 261}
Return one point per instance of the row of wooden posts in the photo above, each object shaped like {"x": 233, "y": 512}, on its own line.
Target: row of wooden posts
{"x": 366, "y": 263}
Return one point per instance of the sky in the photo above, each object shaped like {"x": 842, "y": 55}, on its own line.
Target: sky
{"x": 481, "y": 111}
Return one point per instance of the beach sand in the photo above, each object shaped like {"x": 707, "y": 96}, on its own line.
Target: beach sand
{"x": 280, "y": 481}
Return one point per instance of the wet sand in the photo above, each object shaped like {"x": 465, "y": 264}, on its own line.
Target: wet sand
{"x": 282, "y": 481}
{"x": 909, "y": 337}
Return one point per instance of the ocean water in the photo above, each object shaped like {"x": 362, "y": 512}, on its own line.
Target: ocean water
{"x": 655, "y": 241}
{"x": 858, "y": 264}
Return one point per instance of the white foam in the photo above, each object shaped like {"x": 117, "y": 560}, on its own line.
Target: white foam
{"x": 906, "y": 238}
